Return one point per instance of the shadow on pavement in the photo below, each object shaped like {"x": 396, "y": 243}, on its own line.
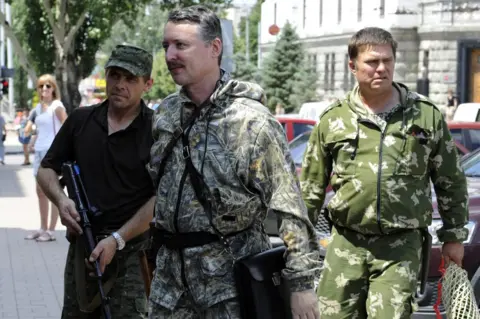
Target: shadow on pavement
{"x": 10, "y": 184}
{"x": 31, "y": 275}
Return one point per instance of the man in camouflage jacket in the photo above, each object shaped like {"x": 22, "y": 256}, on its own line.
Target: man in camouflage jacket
{"x": 381, "y": 147}
{"x": 241, "y": 152}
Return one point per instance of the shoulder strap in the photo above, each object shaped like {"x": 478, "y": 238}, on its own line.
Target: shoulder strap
{"x": 169, "y": 148}
{"x": 200, "y": 187}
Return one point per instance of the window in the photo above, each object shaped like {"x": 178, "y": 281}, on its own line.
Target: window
{"x": 320, "y": 14}
{"x": 332, "y": 73}
{"x": 314, "y": 62}
{"x": 474, "y": 139}
{"x": 352, "y": 80}
{"x": 339, "y": 11}
{"x": 457, "y": 135}
{"x": 346, "y": 72}
{"x": 359, "y": 10}
{"x": 274, "y": 13}
{"x": 304, "y": 12}
{"x": 298, "y": 147}
{"x": 299, "y": 128}
{"x": 382, "y": 8}
{"x": 325, "y": 74}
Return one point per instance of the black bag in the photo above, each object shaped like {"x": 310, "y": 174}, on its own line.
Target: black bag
{"x": 262, "y": 291}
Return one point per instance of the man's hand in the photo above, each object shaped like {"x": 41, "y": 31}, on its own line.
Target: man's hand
{"x": 453, "y": 251}
{"x": 104, "y": 251}
{"x": 69, "y": 216}
{"x": 304, "y": 305}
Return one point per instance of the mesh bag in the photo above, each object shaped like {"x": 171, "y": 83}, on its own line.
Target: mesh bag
{"x": 456, "y": 293}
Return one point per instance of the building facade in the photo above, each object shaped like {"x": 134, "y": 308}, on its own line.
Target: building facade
{"x": 437, "y": 39}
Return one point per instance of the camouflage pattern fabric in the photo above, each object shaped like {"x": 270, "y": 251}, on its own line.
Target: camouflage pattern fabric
{"x": 370, "y": 276}
{"x": 249, "y": 171}
{"x": 127, "y": 297}
{"x": 382, "y": 168}
{"x": 131, "y": 58}
{"x": 228, "y": 309}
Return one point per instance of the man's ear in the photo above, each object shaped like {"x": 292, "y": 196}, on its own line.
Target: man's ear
{"x": 351, "y": 66}
{"x": 148, "y": 85}
{"x": 216, "y": 48}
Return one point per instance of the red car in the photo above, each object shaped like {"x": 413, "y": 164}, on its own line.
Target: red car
{"x": 466, "y": 133}
{"x": 294, "y": 126}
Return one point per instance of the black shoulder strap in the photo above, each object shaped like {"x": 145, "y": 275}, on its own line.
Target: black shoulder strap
{"x": 201, "y": 189}
{"x": 169, "y": 148}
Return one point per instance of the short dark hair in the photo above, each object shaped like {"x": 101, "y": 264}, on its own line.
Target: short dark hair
{"x": 370, "y": 36}
{"x": 208, "y": 22}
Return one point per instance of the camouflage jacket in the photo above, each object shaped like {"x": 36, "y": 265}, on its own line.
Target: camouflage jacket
{"x": 383, "y": 168}
{"x": 249, "y": 171}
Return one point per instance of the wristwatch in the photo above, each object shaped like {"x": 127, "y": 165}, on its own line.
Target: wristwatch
{"x": 120, "y": 241}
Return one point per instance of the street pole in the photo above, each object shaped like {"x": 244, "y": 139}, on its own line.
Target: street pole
{"x": 10, "y": 62}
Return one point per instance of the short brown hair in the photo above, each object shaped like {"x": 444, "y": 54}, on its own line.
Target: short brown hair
{"x": 369, "y": 37}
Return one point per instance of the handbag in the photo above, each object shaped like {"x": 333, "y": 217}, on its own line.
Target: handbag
{"x": 262, "y": 291}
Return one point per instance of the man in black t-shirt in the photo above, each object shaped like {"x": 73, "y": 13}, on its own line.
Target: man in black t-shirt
{"x": 111, "y": 143}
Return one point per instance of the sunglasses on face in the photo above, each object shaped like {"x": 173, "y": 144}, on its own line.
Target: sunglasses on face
{"x": 48, "y": 86}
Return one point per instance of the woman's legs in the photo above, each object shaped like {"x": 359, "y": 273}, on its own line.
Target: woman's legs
{"x": 53, "y": 217}
{"x": 43, "y": 205}
{"x": 26, "y": 154}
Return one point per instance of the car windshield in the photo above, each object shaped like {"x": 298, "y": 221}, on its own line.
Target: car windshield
{"x": 298, "y": 147}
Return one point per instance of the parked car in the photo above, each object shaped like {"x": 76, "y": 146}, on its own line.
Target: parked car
{"x": 466, "y": 133}
{"x": 471, "y": 262}
{"x": 467, "y": 112}
{"x": 295, "y": 126}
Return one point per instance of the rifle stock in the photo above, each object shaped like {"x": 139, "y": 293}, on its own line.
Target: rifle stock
{"x": 76, "y": 192}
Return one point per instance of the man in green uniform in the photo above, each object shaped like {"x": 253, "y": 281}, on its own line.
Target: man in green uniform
{"x": 381, "y": 147}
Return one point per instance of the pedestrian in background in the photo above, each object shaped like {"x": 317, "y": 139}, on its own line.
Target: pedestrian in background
{"x": 48, "y": 116}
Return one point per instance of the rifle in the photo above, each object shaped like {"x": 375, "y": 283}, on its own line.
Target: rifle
{"x": 76, "y": 192}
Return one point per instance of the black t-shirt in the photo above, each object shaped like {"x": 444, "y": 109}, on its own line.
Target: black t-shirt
{"x": 113, "y": 168}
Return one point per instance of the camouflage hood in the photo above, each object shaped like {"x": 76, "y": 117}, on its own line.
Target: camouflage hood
{"x": 229, "y": 89}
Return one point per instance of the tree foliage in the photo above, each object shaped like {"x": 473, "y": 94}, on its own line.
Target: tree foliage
{"x": 286, "y": 77}
{"x": 163, "y": 83}
{"x": 253, "y": 18}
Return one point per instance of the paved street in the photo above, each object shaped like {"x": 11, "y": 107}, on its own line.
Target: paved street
{"x": 31, "y": 273}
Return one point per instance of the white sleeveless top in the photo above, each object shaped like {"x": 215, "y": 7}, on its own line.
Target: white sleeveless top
{"x": 47, "y": 124}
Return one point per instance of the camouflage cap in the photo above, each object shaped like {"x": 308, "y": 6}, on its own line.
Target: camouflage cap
{"x": 131, "y": 58}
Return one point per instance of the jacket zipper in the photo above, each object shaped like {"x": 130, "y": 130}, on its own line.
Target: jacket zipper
{"x": 177, "y": 208}
{"x": 379, "y": 180}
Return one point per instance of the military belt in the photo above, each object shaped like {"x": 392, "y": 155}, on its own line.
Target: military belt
{"x": 184, "y": 240}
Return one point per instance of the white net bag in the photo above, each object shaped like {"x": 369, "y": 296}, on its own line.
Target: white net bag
{"x": 456, "y": 294}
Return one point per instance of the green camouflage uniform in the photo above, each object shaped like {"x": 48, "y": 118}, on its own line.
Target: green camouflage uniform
{"x": 249, "y": 171}
{"x": 127, "y": 296}
{"x": 382, "y": 166}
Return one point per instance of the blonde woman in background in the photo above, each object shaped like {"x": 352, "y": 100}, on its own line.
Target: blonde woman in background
{"x": 48, "y": 116}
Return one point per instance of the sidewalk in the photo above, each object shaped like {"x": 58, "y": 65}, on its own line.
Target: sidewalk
{"x": 31, "y": 273}
{"x": 12, "y": 145}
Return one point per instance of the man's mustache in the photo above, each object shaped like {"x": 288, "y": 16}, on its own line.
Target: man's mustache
{"x": 174, "y": 65}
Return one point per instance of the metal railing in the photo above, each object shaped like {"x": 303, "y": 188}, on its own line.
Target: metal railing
{"x": 450, "y": 12}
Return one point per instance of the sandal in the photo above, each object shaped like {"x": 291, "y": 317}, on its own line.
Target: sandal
{"x": 46, "y": 236}
{"x": 34, "y": 235}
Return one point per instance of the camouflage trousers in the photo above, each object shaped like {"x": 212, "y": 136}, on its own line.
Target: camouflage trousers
{"x": 370, "y": 276}
{"x": 228, "y": 309}
{"x": 127, "y": 296}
